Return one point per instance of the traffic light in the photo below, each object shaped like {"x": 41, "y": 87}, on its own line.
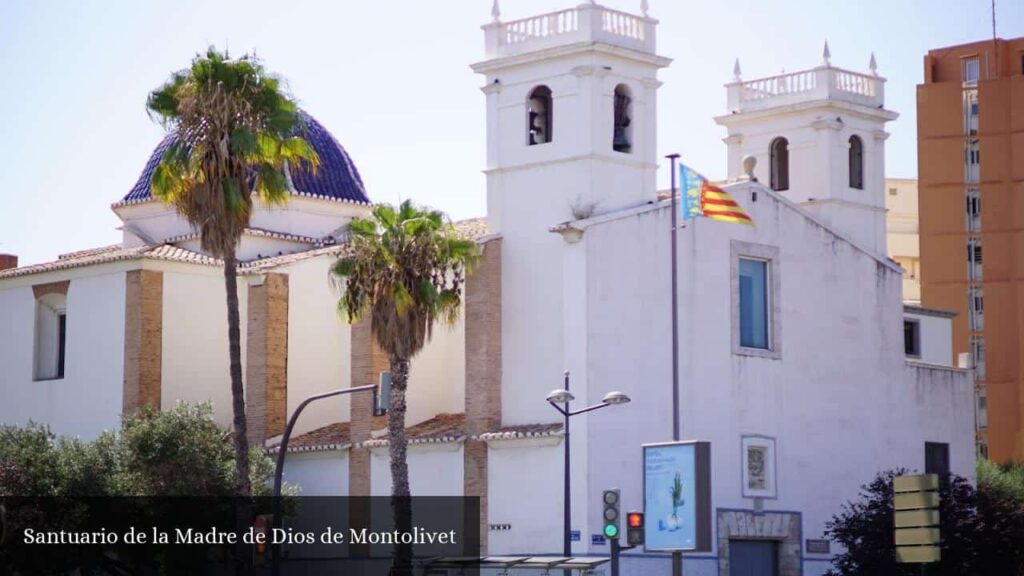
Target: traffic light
{"x": 611, "y": 514}
{"x": 635, "y": 528}
{"x": 260, "y": 530}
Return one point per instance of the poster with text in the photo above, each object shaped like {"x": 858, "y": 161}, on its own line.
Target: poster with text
{"x": 670, "y": 496}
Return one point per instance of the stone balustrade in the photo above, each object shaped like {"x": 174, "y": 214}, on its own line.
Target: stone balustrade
{"x": 821, "y": 83}
{"x": 584, "y": 23}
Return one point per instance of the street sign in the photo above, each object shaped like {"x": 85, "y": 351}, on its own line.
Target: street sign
{"x": 916, "y": 519}
{"x": 597, "y": 540}
{"x": 677, "y": 496}
{"x": 574, "y": 535}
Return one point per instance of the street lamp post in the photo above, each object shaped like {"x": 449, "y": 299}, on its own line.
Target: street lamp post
{"x": 559, "y": 399}
{"x": 275, "y": 522}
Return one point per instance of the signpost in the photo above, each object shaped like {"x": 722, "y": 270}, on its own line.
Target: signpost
{"x": 677, "y": 497}
{"x": 916, "y": 504}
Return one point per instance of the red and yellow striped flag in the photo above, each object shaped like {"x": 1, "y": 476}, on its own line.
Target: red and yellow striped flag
{"x": 717, "y": 204}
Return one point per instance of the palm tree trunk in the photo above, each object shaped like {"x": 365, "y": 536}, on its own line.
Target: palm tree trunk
{"x": 242, "y": 488}
{"x": 401, "y": 505}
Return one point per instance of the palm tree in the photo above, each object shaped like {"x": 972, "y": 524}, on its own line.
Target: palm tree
{"x": 406, "y": 269}
{"x": 235, "y": 136}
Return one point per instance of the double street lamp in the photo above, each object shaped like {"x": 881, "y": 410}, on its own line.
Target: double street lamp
{"x": 559, "y": 400}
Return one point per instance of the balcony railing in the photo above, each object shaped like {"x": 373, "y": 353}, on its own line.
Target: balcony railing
{"x": 584, "y": 23}
{"x": 822, "y": 83}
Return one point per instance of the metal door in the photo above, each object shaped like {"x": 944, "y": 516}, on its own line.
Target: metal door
{"x": 753, "y": 558}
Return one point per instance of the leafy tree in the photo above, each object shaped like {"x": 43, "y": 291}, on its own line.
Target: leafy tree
{"x": 235, "y": 135}
{"x": 405, "y": 271}
{"x": 982, "y": 531}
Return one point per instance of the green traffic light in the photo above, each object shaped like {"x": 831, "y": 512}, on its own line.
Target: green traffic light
{"x": 611, "y": 531}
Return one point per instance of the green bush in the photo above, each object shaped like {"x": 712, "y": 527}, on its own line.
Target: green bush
{"x": 982, "y": 528}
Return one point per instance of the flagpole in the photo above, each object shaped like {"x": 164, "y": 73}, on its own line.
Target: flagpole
{"x": 677, "y": 557}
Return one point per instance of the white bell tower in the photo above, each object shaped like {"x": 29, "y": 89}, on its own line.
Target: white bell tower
{"x": 571, "y": 115}
{"x": 819, "y": 139}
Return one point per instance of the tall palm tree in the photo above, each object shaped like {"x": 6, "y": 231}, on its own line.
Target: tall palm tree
{"x": 406, "y": 269}
{"x": 235, "y": 135}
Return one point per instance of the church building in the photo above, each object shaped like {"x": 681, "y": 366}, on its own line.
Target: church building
{"x": 791, "y": 344}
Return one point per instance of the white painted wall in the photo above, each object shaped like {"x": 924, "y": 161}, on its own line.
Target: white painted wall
{"x": 434, "y": 470}
{"x": 195, "y": 339}
{"x": 841, "y": 401}
{"x": 319, "y": 342}
{"x": 524, "y": 481}
{"x": 318, "y": 473}
{"x": 936, "y": 334}
{"x": 437, "y": 375}
{"x": 88, "y": 399}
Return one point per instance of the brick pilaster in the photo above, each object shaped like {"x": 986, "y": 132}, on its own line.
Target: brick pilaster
{"x": 483, "y": 372}
{"x": 266, "y": 368}
{"x": 143, "y": 339}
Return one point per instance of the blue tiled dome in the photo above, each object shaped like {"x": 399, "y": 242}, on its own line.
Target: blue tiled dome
{"x": 336, "y": 178}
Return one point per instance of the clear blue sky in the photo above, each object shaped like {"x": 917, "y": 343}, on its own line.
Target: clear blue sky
{"x": 390, "y": 79}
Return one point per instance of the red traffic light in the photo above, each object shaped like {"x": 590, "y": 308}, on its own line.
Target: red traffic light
{"x": 635, "y": 519}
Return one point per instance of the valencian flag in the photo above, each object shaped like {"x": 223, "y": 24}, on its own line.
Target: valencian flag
{"x": 702, "y": 198}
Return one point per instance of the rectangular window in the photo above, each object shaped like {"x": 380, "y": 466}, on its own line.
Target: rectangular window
{"x": 978, "y": 355}
{"x": 973, "y": 210}
{"x": 936, "y": 458}
{"x": 912, "y": 338}
{"x": 971, "y": 70}
{"x": 976, "y": 306}
{"x": 893, "y": 191}
{"x": 382, "y": 394}
{"x": 51, "y": 337}
{"x": 754, "y": 317}
{"x": 982, "y": 408}
{"x": 62, "y": 333}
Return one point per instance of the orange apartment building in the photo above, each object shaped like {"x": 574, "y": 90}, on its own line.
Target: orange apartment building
{"x": 970, "y": 125}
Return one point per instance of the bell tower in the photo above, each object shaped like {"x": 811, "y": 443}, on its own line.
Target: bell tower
{"x": 571, "y": 113}
{"x": 819, "y": 139}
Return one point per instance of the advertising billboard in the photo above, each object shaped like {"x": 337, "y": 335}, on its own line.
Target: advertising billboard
{"x": 677, "y": 496}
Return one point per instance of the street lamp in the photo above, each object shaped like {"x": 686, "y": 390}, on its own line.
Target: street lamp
{"x": 275, "y": 553}
{"x": 559, "y": 399}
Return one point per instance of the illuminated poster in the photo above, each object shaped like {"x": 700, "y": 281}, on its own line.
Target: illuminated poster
{"x": 677, "y": 496}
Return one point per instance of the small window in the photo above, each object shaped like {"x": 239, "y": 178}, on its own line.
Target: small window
{"x": 382, "y": 395}
{"x": 539, "y": 116}
{"x": 754, "y": 314}
{"x": 51, "y": 336}
{"x": 978, "y": 355}
{"x": 622, "y": 138}
{"x": 936, "y": 458}
{"x": 856, "y": 163}
{"x": 780, "y": 164}
{"x": 971, "y": 70}
{"x": 973, "y": 209}
{"x": 893, "y": 191}
{"x": 912, "y": 338}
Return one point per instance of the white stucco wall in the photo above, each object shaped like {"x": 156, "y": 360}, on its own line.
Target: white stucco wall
{"x": 434, "y": 470}
{"x": 88, "y": 399}
{"x": 524, "y": 480}
{"x": 319, "y": 341}
{"x": 840, "y": 401}
{"x": 437, "y": 375}
{"x": 318, "y": 473}
{"x": 936, "y": 333}
{"x": 195, "y": 364}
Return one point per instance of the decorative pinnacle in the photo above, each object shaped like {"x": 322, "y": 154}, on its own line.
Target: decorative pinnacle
{"x": 736, "y": 70}
{"x": 644, "y": 7}
{"x": 873, "y": 65}
{"x": 826, "y": 55}
{"x": 496, "y": 11}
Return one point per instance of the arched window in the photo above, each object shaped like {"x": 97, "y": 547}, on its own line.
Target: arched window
{"x": 622, "y": 137}
{"x": 780, "y": 164}
{"x": 856, "y": 163}
{"x": 538, "y": 116}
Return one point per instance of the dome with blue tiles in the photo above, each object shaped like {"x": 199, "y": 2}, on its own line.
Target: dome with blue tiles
{"x": 336, "y": 179}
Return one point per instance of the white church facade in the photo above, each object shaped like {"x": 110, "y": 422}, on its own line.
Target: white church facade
{"x": 791, "y": 332}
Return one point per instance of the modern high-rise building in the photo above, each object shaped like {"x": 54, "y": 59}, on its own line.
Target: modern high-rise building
{"x": 970, "y": 123}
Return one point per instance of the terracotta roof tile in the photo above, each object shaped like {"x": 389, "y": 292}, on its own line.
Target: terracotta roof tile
{"x": 331, "y": 437}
